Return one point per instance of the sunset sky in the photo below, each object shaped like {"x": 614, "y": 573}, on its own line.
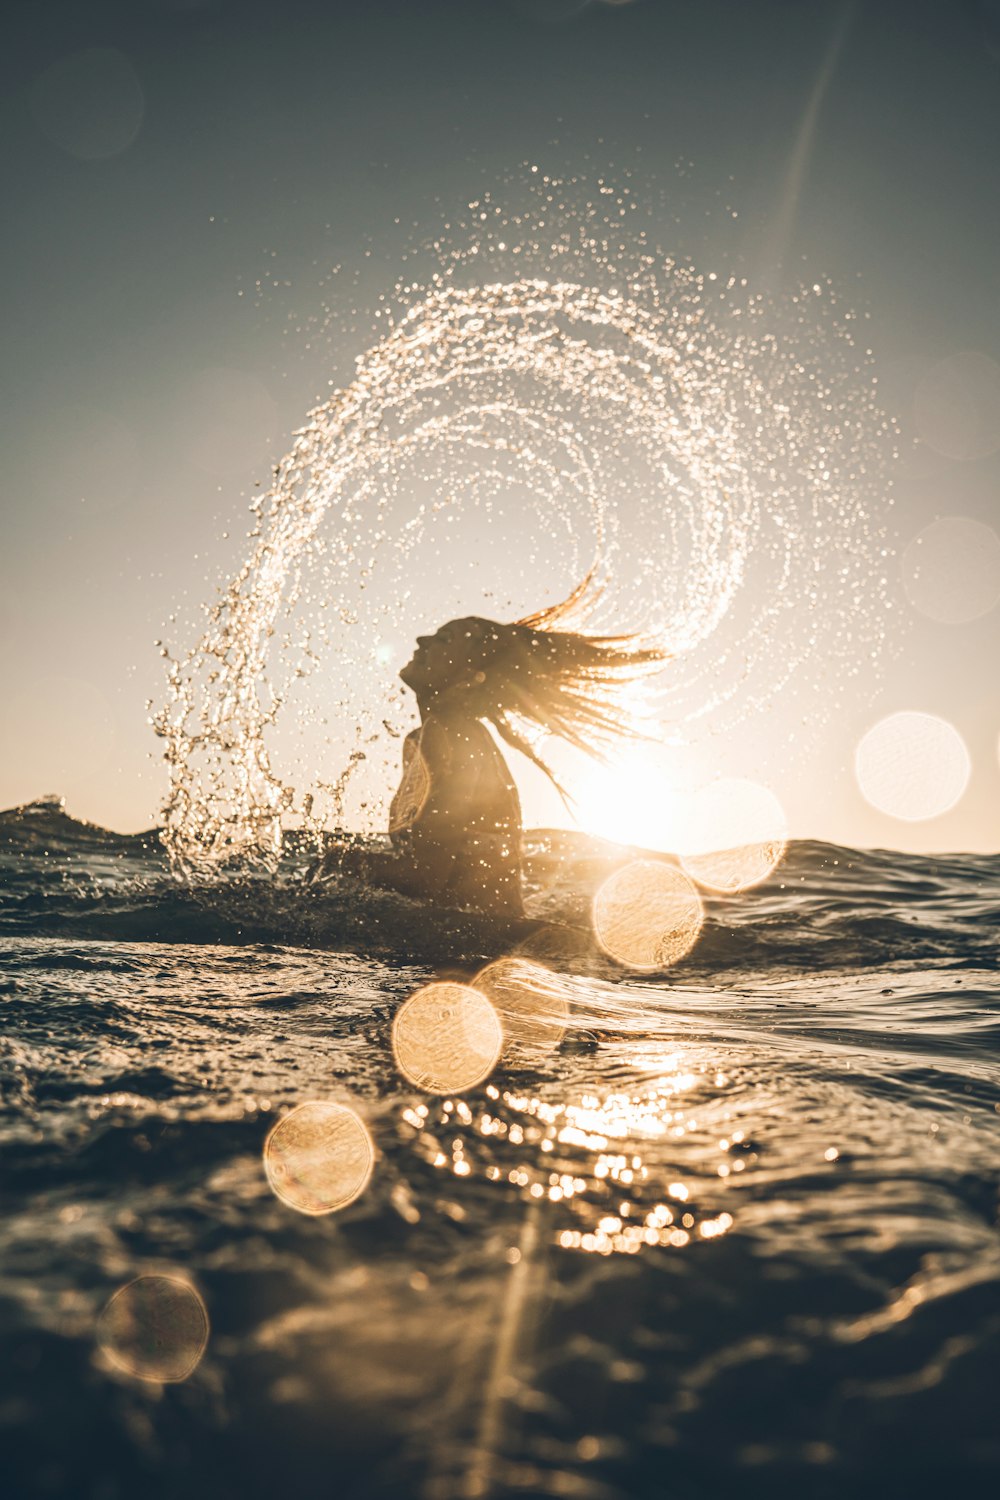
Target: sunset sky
{"x": 181, "y": 178}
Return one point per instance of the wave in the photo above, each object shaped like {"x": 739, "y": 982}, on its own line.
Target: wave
{"x": 814, "y": 1308}
{"x": 825, "y": 907}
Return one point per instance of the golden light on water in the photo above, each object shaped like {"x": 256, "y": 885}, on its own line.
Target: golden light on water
{"x": 604, "y": 1160}
{"x": 647, "y": 915}
{"x": 605, "y": 1165}
{"x": 447, "y": 1038}
{"x": 913, "y": 766}
{"x": 319, "y": 1158}
{"x": 734, "y": 836}
{"x": 533, "y": 1009}
{"x": 155, "y": 1328}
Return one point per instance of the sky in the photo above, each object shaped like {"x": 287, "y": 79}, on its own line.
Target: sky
{"x": 180, "y": 178}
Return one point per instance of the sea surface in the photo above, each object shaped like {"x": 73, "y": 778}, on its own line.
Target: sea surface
{"x": 737, "y": 1234}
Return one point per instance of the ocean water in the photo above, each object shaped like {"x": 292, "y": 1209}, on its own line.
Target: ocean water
{"x": 736, "y": 1234}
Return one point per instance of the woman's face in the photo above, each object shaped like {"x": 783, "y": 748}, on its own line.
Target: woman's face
{"x": 453, "y": 653}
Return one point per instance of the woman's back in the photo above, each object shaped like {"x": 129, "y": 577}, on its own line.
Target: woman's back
{"x": 457, "y": 814}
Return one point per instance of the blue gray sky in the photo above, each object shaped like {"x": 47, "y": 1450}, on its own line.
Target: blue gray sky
{"x": 179, "y": 178}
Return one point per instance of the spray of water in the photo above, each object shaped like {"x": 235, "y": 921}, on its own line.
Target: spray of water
{"x": 553, "y": 392}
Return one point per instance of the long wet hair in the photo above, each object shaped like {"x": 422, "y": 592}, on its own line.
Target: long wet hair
{"x": 538, "y": 675}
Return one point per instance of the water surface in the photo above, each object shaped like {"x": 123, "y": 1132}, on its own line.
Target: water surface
{"x": 738, "y": 1233}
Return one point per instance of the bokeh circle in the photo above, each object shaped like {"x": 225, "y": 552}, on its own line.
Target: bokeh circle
{"x": 447, "y": 1038}
{"x": 647, "y": 915}
{"x": 155, "y": 1328}
{"x": 319, "y": 1157}
{"x": 913, "y": 766}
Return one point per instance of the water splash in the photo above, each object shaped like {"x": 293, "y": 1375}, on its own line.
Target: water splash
{"x": 552, "y": 391}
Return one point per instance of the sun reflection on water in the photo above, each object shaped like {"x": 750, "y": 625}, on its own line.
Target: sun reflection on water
{"x": 599, "y": 1164}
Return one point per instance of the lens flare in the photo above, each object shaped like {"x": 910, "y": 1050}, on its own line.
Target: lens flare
{"x": 956, "y": 408}
{"x": 533, "y": 1008}
{"x": 951, "y": 570}
{"x": 91, "y": 103}
{"x": 734, "y": 836}
{"x": 155, "y": 1328}
{"x": 647, "y": 915}
{"x": 319, "y": 1158}
{"x": 913, "y": 766}
{"x": 447, "y": 1038}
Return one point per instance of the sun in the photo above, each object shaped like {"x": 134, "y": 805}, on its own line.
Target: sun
{"x": 729, "y": 833}
{"x": 630, "y": 800}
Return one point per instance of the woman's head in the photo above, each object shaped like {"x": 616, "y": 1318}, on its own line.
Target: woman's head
{"x": 455, "y": 656}
{"x": 531, "y": 675}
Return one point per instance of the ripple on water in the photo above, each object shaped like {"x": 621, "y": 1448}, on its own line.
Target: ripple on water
{"x": 739, "y": 1225}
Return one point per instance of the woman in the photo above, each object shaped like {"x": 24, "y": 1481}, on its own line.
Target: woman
{"x": 455, "y": 821}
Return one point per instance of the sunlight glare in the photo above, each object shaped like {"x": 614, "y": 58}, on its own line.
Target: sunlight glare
{"x": 734, "y": 834}
{"x": 631, "y": 800}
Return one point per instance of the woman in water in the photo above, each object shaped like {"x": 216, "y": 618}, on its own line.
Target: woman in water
{"x": 455, "y": 821}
